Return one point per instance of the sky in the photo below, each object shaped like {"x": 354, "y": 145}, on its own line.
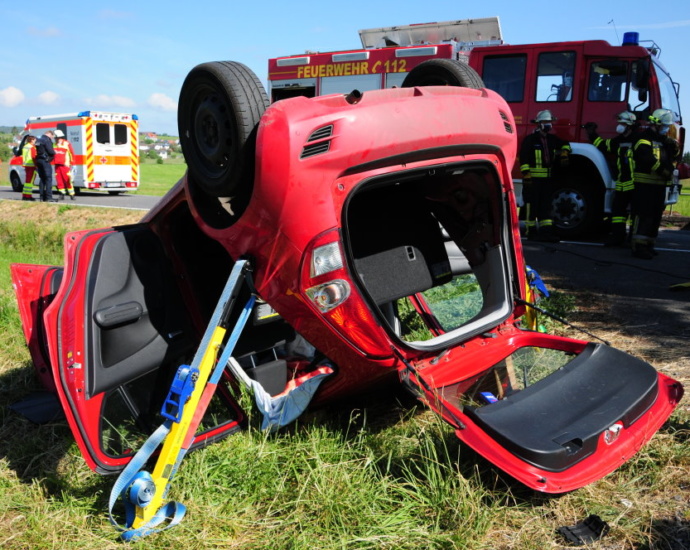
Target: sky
{"x": 132, "y": 56}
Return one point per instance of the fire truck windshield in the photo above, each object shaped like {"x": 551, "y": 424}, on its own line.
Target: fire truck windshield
{"x": 667, "y": 89}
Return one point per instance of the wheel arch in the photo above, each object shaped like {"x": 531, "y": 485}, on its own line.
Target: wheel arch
{"x": 16, "y": 178}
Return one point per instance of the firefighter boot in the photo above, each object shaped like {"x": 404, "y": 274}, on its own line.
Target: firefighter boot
{"x": 642, "y": 249}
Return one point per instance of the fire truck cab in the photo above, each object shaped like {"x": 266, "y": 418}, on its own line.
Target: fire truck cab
{"x": 578, "y": 82}
{"x": 106, "y": 149}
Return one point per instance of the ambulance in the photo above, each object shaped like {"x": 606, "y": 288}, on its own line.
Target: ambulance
{"x": 106, "y": 149}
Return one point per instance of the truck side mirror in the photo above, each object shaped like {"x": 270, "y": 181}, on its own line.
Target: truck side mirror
{"x": 641, "y": 70}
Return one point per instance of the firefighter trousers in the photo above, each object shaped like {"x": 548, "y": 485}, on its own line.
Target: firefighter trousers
{"x": 648, "y": 206}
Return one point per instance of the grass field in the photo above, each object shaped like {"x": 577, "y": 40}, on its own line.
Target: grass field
{"x": 379, "y": 473}
{"x": 157, "y": 179}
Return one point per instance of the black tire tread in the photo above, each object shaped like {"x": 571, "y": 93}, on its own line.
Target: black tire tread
{"x": 440, "y": 72}
{"x": 247, "y": 100}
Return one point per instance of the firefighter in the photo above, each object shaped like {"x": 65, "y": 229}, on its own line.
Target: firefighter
{"x": 540, "y": 154}
{"x": 653, "y": 154}
{"x": 618, "y": 148}
{"x": 28, "y": 156}
{"x": 44, "y": 155}
{"x": 64, "y": 156}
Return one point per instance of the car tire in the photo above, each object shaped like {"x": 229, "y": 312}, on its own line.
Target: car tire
{"x": 16, "y": 182}
{"x": 443, "y": 72}
{"x": 220, "y": 106}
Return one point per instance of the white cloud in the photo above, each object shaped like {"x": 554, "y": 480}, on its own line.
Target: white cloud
{"x": 163, "y": 102}
{"x": 48, "y": 97}
{"x": 103, "y": 100}
{"x": 48, "y": 32}
{"x": 11, "y": 96}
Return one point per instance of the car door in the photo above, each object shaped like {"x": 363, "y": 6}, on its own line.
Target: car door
{"x": 116, "y": 330}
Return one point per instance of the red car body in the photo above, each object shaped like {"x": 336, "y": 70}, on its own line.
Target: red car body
{"x": 365, "y": 212}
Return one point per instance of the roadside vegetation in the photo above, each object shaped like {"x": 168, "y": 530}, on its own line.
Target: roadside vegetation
{"x": 381, "y": 472}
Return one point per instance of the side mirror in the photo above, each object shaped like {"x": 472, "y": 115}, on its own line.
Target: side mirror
{"x": 642, "y": 74}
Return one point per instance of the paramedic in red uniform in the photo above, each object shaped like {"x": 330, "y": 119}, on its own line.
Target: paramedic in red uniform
{"x": 64, "y": 157}
{"x": 28, "y": 156}
{"x": 540, "y": 153}
{"x": 44, "y": 155}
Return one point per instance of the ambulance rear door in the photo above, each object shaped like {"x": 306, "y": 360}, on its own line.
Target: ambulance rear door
{"x": 114, "y": 157}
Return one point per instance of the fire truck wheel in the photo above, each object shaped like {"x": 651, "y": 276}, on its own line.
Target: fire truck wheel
{"x": 220, "y": 106}
{"x": 16, "y": 182}
{"x": 443, "y": 72}
{"x": 575, "y": 208}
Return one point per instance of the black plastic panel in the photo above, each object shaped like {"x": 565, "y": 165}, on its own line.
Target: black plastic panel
{"x": 556, "y": 422}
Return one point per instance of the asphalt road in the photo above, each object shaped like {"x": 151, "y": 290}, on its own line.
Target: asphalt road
{"x": 639, "y": 289}
{"x": 131, "y": 201}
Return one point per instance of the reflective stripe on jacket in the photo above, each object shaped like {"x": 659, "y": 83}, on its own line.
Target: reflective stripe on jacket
{"x": 539, "y": 154}
{"x": 28, "y": 154}
{"x": 650, "y": 162}
{"x": 619, "y": 146}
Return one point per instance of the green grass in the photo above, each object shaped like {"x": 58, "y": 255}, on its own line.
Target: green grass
{"x": 378, "y": 473}
{"x": 157, "y": 179}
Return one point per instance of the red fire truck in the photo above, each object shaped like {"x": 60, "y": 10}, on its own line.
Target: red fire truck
{"x": 577, "y": 81}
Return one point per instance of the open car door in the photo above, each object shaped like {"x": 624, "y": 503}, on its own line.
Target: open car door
{"x": 110, "y": 330}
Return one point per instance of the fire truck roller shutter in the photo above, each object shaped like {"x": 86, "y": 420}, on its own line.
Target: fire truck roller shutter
{"x": 220, "y": 106}
{"x": 443, "y": 72}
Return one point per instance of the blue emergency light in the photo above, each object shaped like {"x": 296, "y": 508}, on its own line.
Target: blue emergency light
{"x": 631, "y": 39}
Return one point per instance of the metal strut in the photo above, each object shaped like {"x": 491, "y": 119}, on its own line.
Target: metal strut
{"x": 192, "y": 389}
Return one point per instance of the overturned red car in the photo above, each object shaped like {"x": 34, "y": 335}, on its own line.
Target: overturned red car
{"x": 383, "y": 238}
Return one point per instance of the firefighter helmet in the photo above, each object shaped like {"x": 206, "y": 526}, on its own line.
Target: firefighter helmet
{"x": 663, "y": 117}
{"x": 626, "y": 117}
{"x": 59, "y": 134}
{"x": 544, "y": 116}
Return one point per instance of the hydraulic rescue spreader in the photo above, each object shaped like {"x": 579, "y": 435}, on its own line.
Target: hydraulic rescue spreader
{"x": 142, "y": 493}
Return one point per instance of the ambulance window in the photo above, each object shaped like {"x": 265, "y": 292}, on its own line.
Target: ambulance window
{"x": 62, "y": 127}
{"x": 103, "y": 132}
{"x": 505, "y": 75}
{"x": 608, "y": 81}
{"x": 555, "y": 76}
{"x": 120, "y": 134}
